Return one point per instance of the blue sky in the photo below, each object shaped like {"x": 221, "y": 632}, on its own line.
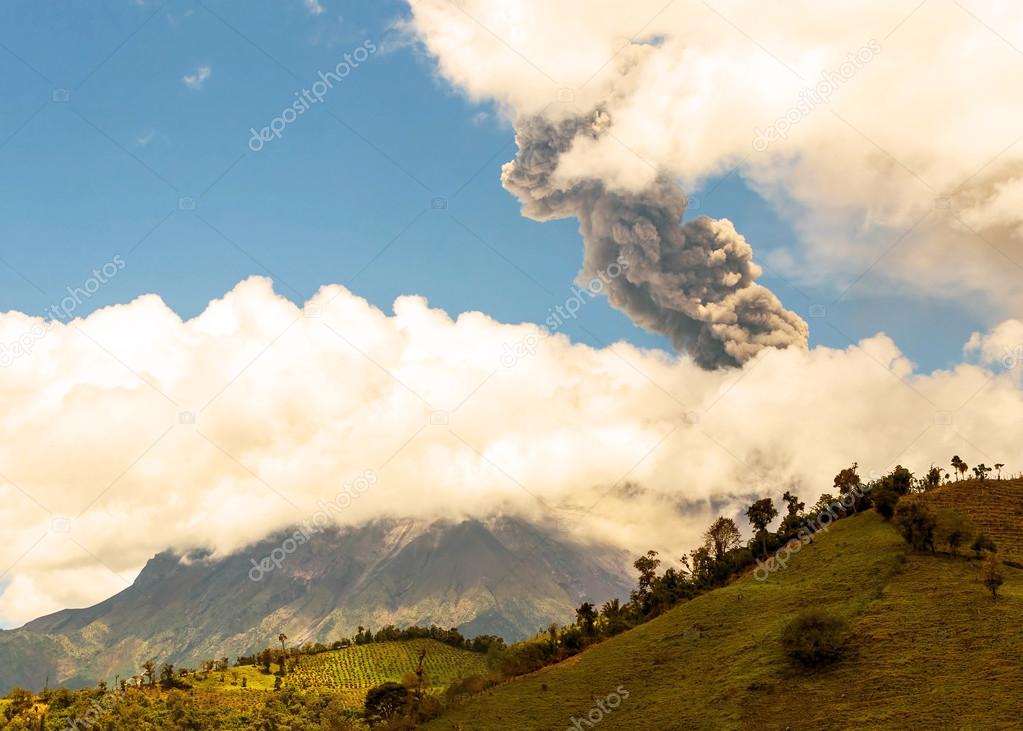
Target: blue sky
{"x": 113, "y": 141}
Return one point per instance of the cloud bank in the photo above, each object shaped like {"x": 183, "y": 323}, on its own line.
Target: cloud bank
{"x": 131, "y": 430}
{"x": 885, "y": 133}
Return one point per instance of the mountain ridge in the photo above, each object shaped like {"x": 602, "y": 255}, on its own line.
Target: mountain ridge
{"x": 501, "y": 576}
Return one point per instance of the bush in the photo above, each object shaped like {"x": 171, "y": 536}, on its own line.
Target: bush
{"x": 982, "y": 544}
{"x": 885, "y": 500}
{"x": 916, "y": 523}
{"x": 954, "y": 530}
{"x": 814, "y": 638}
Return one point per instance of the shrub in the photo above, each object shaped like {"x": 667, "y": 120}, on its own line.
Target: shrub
{"x": 953, "y": 530}
{"x": 983, "y": 543}
{"x": 885, "y": 500}
{"x": 991, "y": 574}
{"x": 916, "y": 523}
{"x": 814, "y": 638}
{"x": 386, "y": 701}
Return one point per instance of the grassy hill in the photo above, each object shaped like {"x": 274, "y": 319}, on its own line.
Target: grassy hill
{"x": 993, "y": 506}
{"x": 929, "y": 649}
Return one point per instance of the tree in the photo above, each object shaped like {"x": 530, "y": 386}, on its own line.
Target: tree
{"x": 284, "y": 650}
{"x": 167, "y": 676}
{"x": 586, "y": 618}
{"x": 954, "y": 530}
{"x": 933, "y": 478}
{"x": 885, "y": 501}
{"x": 998, "y": 470}
{"x": 386, "y": 701}
{"x": 916, "y": 523}
{"x": 614, "y": 617}
{"x": 793, "y": 516}
{"x": 722, "y": 536}
{"x": 981, "y": 471}
{"x": 991, "y": 573}
{"x": 647, "y": 567}
{"x": 848, "y": 482}
{"x": 149, "y": 670}
{"x": 957, "y": 463}
{"x": 760, "y": 514}
{"x": 900, "y": 480}
{"x": 793, "y": 504}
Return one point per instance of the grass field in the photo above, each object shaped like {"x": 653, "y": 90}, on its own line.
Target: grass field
{"x": 232, "y": 679}
{"x": 717, "y": 663}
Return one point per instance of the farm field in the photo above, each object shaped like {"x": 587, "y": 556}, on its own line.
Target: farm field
{"x": 993, "y": 506}
{"x": 354, "y": 670}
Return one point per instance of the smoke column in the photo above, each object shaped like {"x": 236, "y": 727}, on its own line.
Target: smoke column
{"x": 694, "y": 282}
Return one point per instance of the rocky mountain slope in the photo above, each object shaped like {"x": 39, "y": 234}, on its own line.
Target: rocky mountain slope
{"x": 502, "y": 576}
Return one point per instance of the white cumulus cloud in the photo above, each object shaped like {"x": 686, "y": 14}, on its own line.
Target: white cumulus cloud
{"x": 132, "y": 430}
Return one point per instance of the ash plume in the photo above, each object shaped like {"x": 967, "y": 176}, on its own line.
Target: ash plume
{"x": 694, "y": 282}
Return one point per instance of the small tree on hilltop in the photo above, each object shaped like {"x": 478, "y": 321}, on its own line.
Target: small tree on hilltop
{"x": 722, "y": 536}
{"x": 991, "y": 573}
{"x": 885, "y": 501}
{"x": 998, "y": 470}
{"x": 848, "y": 481}
{"x": 794, "y": 516}
{"x": 956, "y": 464}
{"x": 760, "y": 514}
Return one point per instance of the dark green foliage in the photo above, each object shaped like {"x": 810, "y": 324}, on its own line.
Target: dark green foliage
{"x": 885, "y": 501}
{"x": 917, "y": 524}
{"x": 814, "y": 638}
{"x": 385, "y": 702}
{"x": 760, "y": 515}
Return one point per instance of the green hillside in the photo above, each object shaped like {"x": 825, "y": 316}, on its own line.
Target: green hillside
{"x": 929, "y": 649}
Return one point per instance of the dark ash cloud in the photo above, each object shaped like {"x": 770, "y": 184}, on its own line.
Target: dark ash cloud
{"x": 694, "y": 282}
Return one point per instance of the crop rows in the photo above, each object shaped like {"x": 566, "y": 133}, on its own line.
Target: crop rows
{"x": 359, "y": 668}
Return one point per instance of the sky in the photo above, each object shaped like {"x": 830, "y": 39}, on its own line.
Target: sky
{"x": 216, "y": 314}
{"x": 125, "y": 131}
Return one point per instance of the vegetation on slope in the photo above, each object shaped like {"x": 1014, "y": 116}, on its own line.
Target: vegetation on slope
{"x": 928, "y": 648}
{"x": 353, "y": 671}
{"x": 836, "y": 609}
